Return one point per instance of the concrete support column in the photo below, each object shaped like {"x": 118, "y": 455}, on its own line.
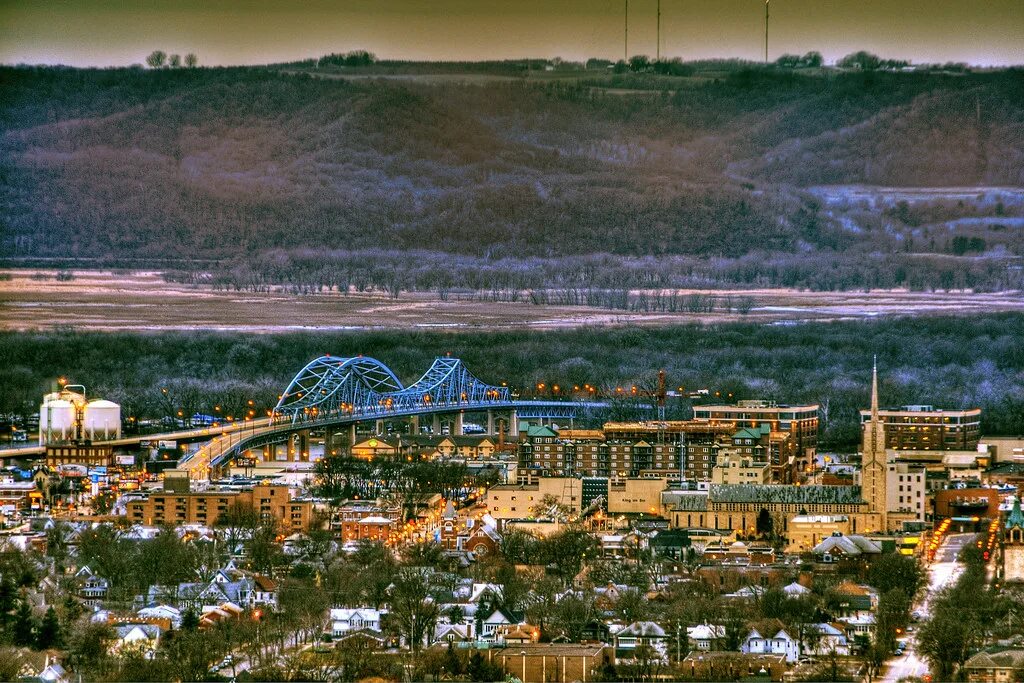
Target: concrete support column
{"x": 414, "y": 424}
{"x": 352, "y": 434}
{"x": 458, "y": 425}
{"x": 513, "y": 425}
{"x": 490, "y": 423}
{"x": 435, "y": 427}
{"x": 378, "y": 427}
{"x": 298, "y": 446}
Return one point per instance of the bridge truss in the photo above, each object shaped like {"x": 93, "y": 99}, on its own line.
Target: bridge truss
{"x": 331, "y": 391}
{"x": 330, "y": 386}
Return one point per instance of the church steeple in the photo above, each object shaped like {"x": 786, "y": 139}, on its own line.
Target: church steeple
{"x": 873, "y": 458}
{"x": 874, "y": 389}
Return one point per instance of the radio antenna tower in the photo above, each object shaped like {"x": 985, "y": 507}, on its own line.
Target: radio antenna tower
{"x": 625, "y": 38}
{"x": 657, "y": 50}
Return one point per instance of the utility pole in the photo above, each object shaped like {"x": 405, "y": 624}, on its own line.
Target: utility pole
{"x": 766, "y": 30}
{"x": 657, "y": 50}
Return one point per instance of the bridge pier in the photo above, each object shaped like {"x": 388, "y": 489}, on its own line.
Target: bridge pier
{"x": 352, "y": 435}
{"x": 513, "y": 424}
{"x": 298, "y": 447}
{"x": 459, "y": 429}
{"x": 414, "y": 424}
{"x": 378, "y": 427}
{"x": 435, "y": 427}
{"x": 490, "y": 423}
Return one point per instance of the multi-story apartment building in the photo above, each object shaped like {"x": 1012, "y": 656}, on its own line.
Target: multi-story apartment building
{"x": 90, "y": 455}
{"x": 801, "y": 422}
{"x": 520, "y": 501}
{"x": 927, "y": 428}
{"x": 161, "y": 508}
{"x": 739, "y": 468}
{"x": 906, "y": 491}
{"x": 624, "y": 450}
{"x": 763, "y": 456}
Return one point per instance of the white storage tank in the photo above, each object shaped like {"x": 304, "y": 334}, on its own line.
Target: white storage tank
{"x": 56, "y": 419}
{"x": 101, "y": 420}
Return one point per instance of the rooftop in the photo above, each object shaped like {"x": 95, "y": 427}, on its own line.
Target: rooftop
{"x": 782, "y": 493}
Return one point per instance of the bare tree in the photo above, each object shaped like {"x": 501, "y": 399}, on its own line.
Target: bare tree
{"x": 156, "y": 59}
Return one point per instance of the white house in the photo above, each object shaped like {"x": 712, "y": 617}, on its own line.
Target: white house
{"x": 628, "y": 639}
{"x": 832, "y": 639}
{"x": 344, "y": 619}
{"x": 780, "y": 644}
{"x": 795, "y": 590}
{"x": 172, "y": 614}
{"x": 705, "y": 637}
{"x": 144, "y": 638}
{"x": 264, "y": 591}
{"x": 498, "y": 620}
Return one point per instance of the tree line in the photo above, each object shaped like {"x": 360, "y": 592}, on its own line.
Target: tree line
{"x": 950, "y": 362}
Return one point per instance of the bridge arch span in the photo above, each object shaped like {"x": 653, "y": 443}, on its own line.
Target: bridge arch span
{"x": 330, "y": 384}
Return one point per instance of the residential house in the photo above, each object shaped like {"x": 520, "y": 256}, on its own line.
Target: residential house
{"x": 140, "y": 638}
{"x": 999, "y": 664}
{"x": 264, "y": 591}
{"x": 831, "y": 638}
{"x": 497, "y": 623}
{"x": 839, "y": 548}
{"x": 345, "y": 619}
{"x": 92, "y": 589}
{"x": 705, "y": 637}
{"x": 779, "y": 644}
{"x": 641, "y": 633}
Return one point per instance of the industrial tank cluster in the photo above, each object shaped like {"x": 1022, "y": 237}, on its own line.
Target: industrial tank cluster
{"x": 67, "y": 416}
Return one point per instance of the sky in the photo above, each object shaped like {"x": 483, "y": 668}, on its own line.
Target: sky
{"x": 223, "y": 32}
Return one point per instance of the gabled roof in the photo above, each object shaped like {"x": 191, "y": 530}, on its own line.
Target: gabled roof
{"x": 264, "y": 583}
{"x": 370, "y": 633}
{"x": 783, "y": 493}
{"x": 347, "y": 614}
{"x": 851, "y": 588}
{"x": 849, "y": 545}
{"x": 997, "y": 658}
{"x": 705, "y": 632}
{"x": 643, "y": 629}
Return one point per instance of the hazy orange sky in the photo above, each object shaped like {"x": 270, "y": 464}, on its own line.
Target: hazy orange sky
{"x": 121, "y": 32}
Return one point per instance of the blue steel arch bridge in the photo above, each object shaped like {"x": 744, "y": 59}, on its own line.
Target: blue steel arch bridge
{"x": 331, "y": 392}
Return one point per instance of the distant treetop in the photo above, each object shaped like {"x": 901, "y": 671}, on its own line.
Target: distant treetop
{"x": 159, "y": 59}
{"x": 353, "y": 58}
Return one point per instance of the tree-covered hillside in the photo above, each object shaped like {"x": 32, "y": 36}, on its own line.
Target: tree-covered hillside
{"x": 227, "y": 163}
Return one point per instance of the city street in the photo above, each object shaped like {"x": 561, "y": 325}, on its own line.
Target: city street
{"x": 943, "y": 571}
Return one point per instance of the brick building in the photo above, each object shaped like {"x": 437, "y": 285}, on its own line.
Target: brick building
{"x": 552, "y": 662}
{"x": 927, "y": 428}
{"x": 629, "y": 449}
{"x": 801, "y": 422}
{"x": 160, "y": 508}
